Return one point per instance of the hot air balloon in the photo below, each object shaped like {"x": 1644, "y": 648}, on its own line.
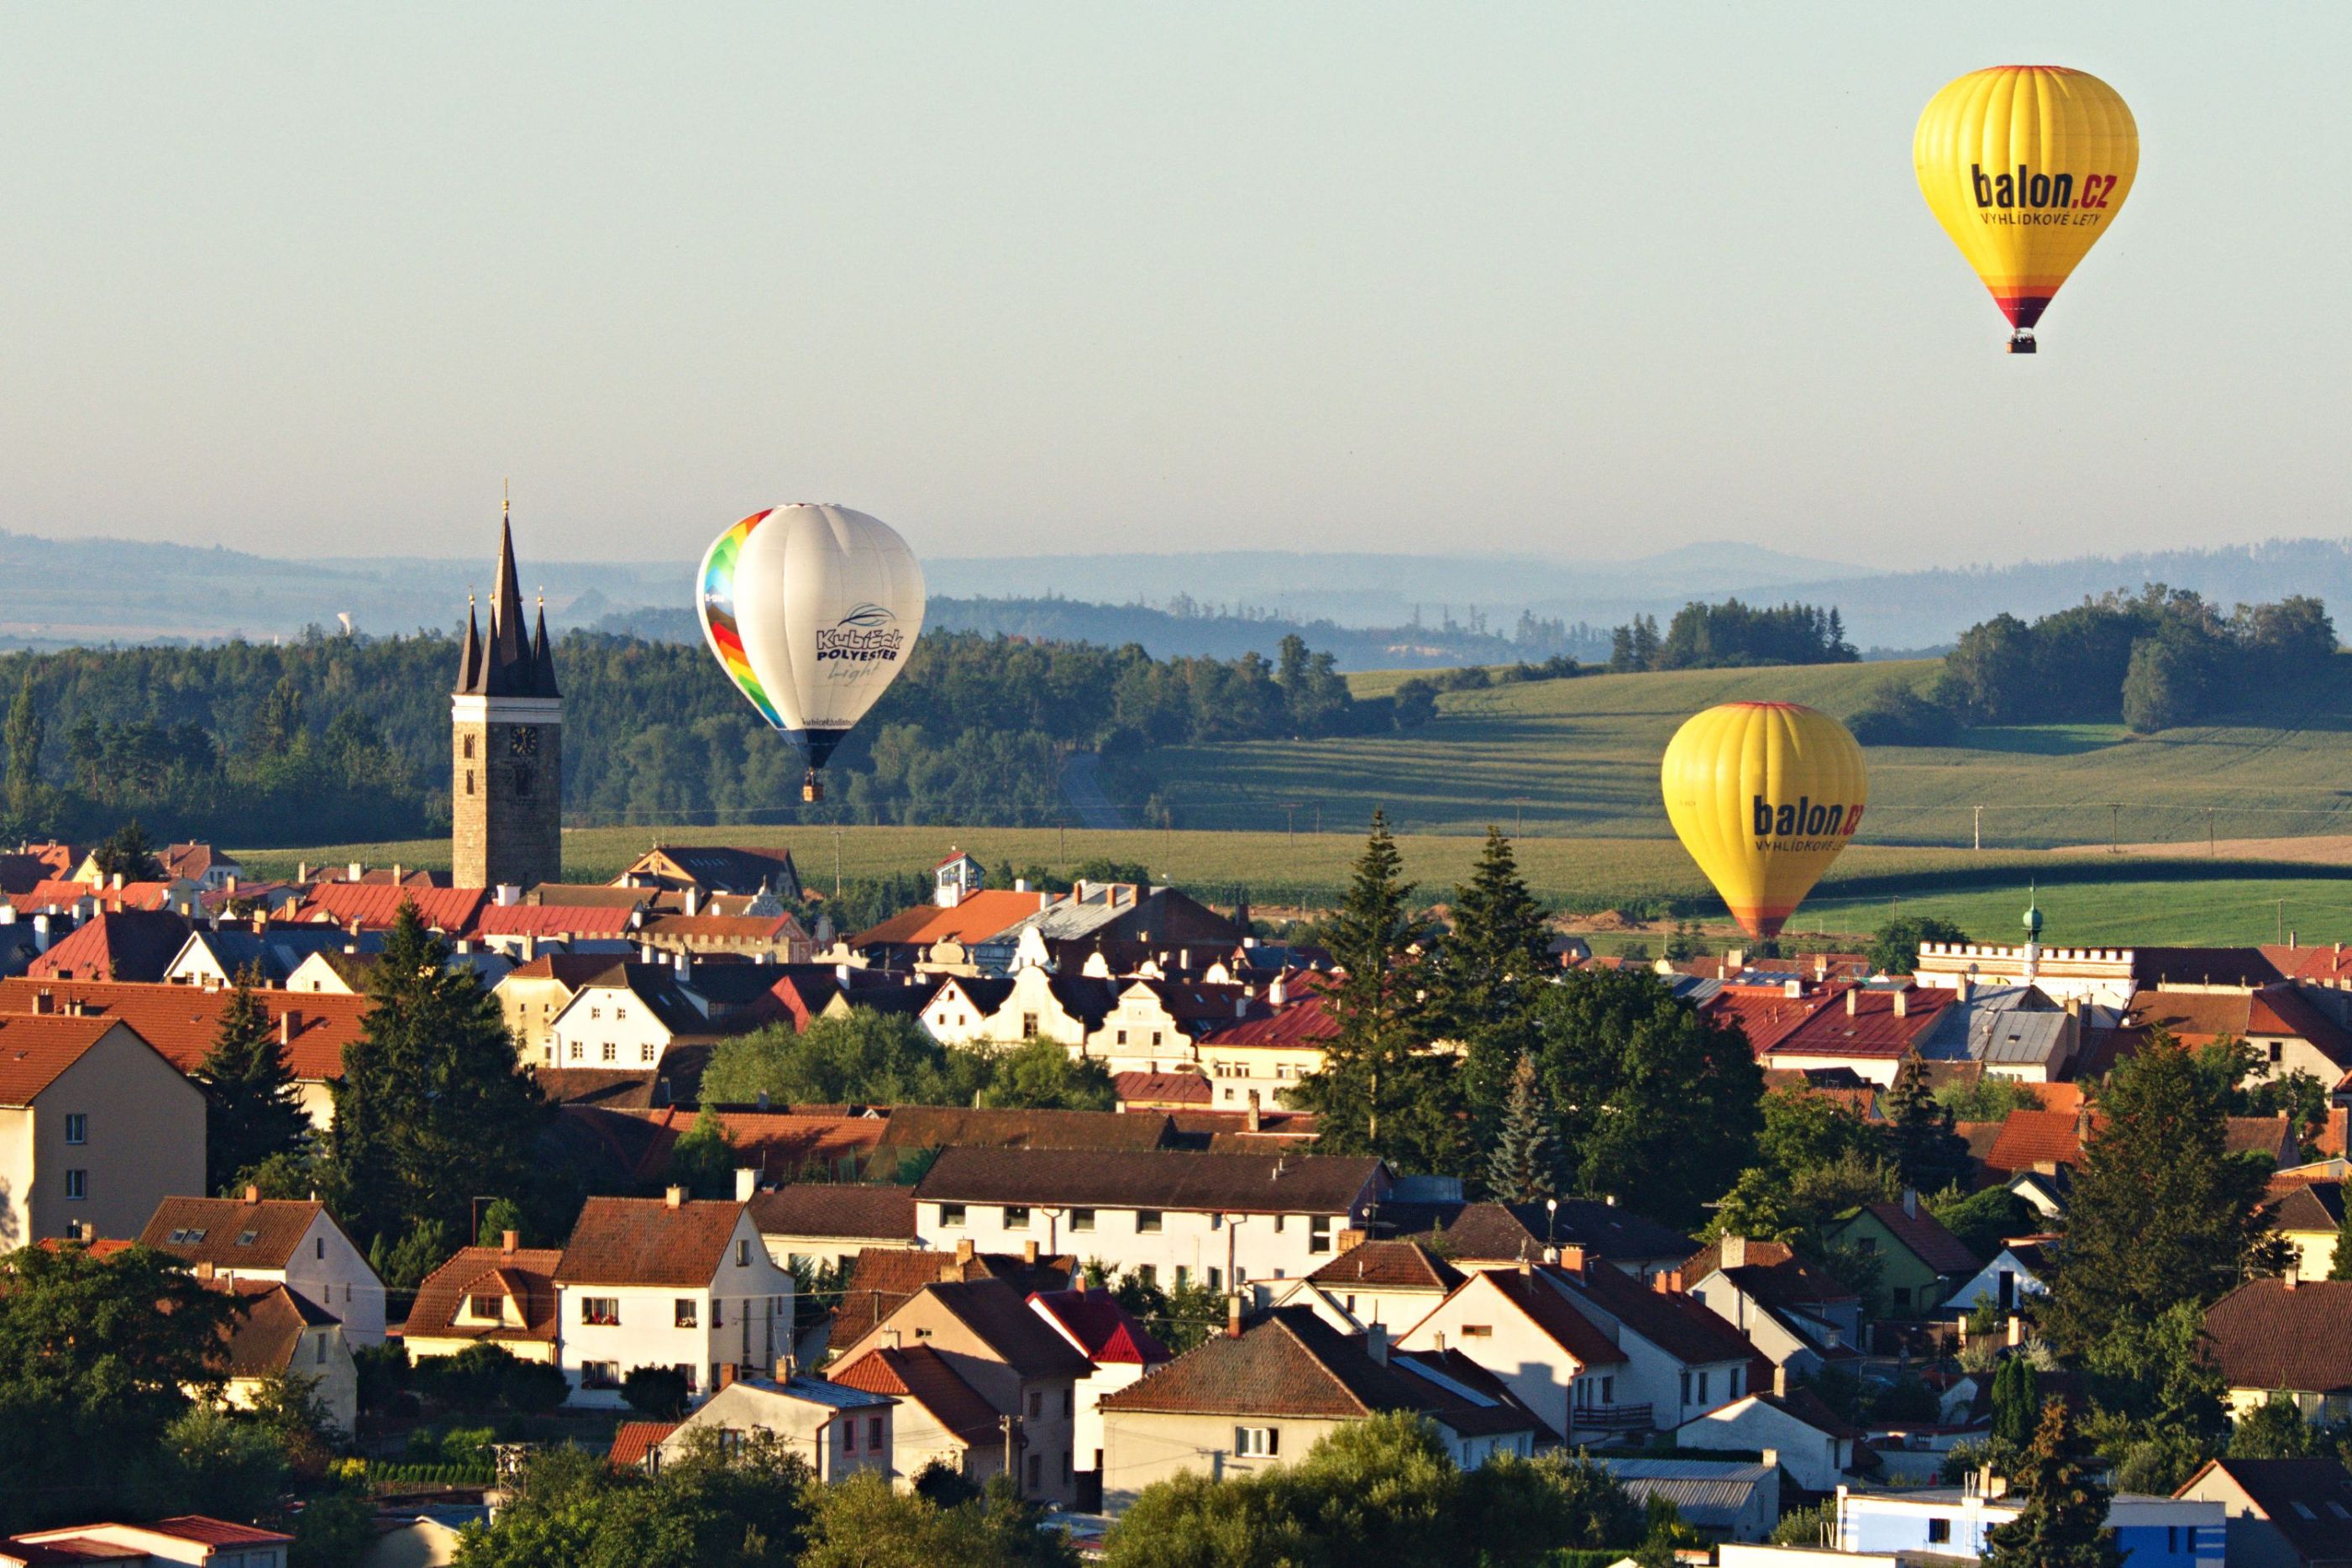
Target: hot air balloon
{"x": 1763, "y": 795}
{"x": 812, "y": 611}
{"x": 2025, "y": 166}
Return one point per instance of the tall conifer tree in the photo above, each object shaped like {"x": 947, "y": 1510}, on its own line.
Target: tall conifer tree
{"x": 1526, "y": 1163}
{"x": 251, "y": 1107}
{"x": 1930, "y": 1152}
{"x": 2063, "y": 1523}
{"x": 1484, "y": 978}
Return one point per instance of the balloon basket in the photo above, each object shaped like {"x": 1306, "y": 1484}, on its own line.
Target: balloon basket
{"x": 2021, "y": 343}
{"x": 811, "y": 787}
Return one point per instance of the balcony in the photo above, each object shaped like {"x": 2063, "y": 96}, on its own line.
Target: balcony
{"x": 1610, "y": 1419}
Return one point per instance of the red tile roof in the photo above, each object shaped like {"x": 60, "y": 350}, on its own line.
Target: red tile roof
{"x": 1156, "y": 1091}
{"x": 212, "y": 1531}
{"x": 526, "y": 1275}
{"x": 2031, "y": 1138}
{"x": 2268, "y": 1334}
{"x": 1389, "y": 1266}
{"x": 263, "y": 1340}
{"x": 61, "y": 894}
{"x": 1158, "y": 1179}
{"x": 1765, "y": 1014}
{"x": 131, "y": 946}
{"x": 1924, "y": 1235}
{"x": 1303, "y": 1020}
{"x": 34, "y": 1050}
{"x": 1099, "y": 1328}
{"x": 376, "y": 905}
{"x": 1872, "y": 1030}
{"x": 2308, "y": 1501}
{"x": 980, "y": 917}
{"x": 2271, "y": 1012}
{"x": 645, "y": 1242}
{"x": 1678, "y": 1323}
{"x": 230, "y": 1233}
{"x": 885, "y": 1279}
{"x": 636, "y": 1439}
{"x": 779, "y": 1143}
{"x": 181, "y": 1022}
{"x": 954, "y": 1127}
{"x": 921, "y": 1373}
{"x": 845, "y": 1211}
{"x": 551, "y": 920}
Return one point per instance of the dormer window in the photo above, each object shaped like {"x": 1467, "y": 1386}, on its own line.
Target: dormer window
{"x": 488, "y": 1308}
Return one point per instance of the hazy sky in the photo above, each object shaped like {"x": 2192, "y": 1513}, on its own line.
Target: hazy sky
{"x": 1573, "y": 279}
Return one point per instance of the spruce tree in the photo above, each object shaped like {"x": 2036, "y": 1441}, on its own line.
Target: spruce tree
{"x": 1378, "y": 1090}
{"x": 2063, "y": 1522}
{"x": 1526, "y": 1149}
{"x": 2341, "y": 1268}
{"x": 26, "y": 798}
{"x": 432, "y": 1110}
{"x": 2161, "y": 1213}
{"x": 2015, "y": 1401}
{"x": 252, "y": 1109}
{"x": 1483, "y": 978}
{"x": 1927, "y": 1151}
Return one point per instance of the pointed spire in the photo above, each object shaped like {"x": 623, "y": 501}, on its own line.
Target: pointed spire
{"x": 469, "y": 657}
{"x": 508, "y": 652}
{"x": 542, "y": 657}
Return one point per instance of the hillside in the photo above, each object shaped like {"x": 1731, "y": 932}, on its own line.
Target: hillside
{"x": 1580, "y": 756}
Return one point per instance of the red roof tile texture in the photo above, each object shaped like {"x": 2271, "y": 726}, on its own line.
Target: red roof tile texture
{"x": 230, "y": 1233}
{"x": 846, "y": 1212}
{"x": 130, "y": 946}
{"x": 980, "y": 917}
{"x": 1389, "y": 1265}
{"x": 181, "y": 1021}
{"x": 636, "y": 1439}
{"x": 1161, "y": 1090}
{"x": 1098, "y": 1328}
{"x": 525, "y": 1276}
{"x": 646, "y": 1241}
{"x": 34, "y": 1050}
{"x": 2268, "y": 1334}
{"x": 1872, "y": 1029}
{"x": 376, "y": 905}
{"x": 921, "y": 1373}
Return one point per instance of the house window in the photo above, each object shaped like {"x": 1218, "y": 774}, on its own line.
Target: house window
{"x": 486, "y": 1307}
{"x": 1938, "y": 1531}
{"x": 1036, "y": 1404}
{"x": 1147, "y": 1222}
{"x": 1082, "y": 1219}
{"x": 1901, "y": 1295}
{"x": 609, "y": 1054}
{"x": 1702, "y": 1387}
{"x": 743, "y": 1253}
{"x": 1477, "y": 1331}
{"x": 1734, "y": 1390}
{"x": 1122, "y": 1037}
{"x": 1216, "y": 1279}
{"x": 645, "y": 1054}
{"x": 1037, "y": 1471}
{"x": 77, "y": 1184}
{"x": 849, "y": 1435}
{"x": 951, "y": 1215}
{"x": 686, "y": 1314}
{"x": 76, "y": 1127}
{"x": 1686, "y": 1388}
{"x": 1183, "y": 1276}
{"x": 1016, "y": 1217}
{"x": 2278, "y": 1052}
{"x": 595, "y": 1012}
{"x": 600, "y": 1374}
{"x": 1147, "y": 1272}
{"x": 1028, "y": 1026}
{"x": 1609, "y": 1390}
{"x": 602, "y": 1310}
{"x": 874, "y": 1433}
{"x": 1257, "y": 1442}
{"x": 1318, "y": 1233}
{"x": 318, "y": 1350}
{"x": 1155, "y": 1039}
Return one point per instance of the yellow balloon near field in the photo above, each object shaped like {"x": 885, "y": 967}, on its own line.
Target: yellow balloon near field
{"x": 2025, "y": 166}
{"x": 1764, "y": 795}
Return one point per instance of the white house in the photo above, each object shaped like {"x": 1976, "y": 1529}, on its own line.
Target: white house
{"x": 840, "y": 1430}
{"x": 1795, "y": 1314}
{"x": 1392, "y": 1283}
{"x": 1122, "y": 1350}
{"x": 2014, "y": 1274}
{"x": 1816, "y": 1448}
{"x": 939, "y": 1420}
{"x": 1518, "y": 1324}
{"x": 1226, "y": 1220}
{"x": 2152, "y": 1531}
{"x": 626, "y": 1017}
{"x": 667, "y": 1282}
{"x": 291, "y": 1241}
{"x": 827, "y": 1224}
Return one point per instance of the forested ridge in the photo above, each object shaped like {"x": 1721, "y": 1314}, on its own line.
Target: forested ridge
{"x": 332, "y": 738}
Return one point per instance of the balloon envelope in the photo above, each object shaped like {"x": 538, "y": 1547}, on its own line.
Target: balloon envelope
{"x": 1763, "y": 795}
{"x": 2025, "y": 166}
{"x": 812, "y": 611}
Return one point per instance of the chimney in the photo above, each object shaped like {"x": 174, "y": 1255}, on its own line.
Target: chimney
{"x": 694, "y": 901}
{"x": 1961, "y": 990}
{"x": 530, "y": 946}
{"x": 1903, "y": 1002}
{"x": 1769, "y": 1458}
{"x": 727, "y": 1373}
{"x": 40, "y": 933}
{"x": 1571, "y": 1258}
{"x": 1252, "y": 1122}
{"x": 252, "y": 1194}
{"x": 1527, "y": 1267}
{"x": 398, "y": 871}
{"x": 1376, "y": 1343}
{"x": 115, "y": 881}
{"x": 746, "y": 1182}
{"x": 7, "y": 915}
{"x": 1233, "y": 1316}
{"x": 1349, "y": 1239}
{"x": 2287, "y": 1283}
{"x": 963, "y": 1249}
{"x": 356, "y": 869}
{"x": 285, "y": 1026}
{"x": 1911, "y": 1202}
{"x": 763, "y": 1099}
{"x": 204, "y": 1270}
{"x": 508, "y": 895}
{"x": 646, "y": 953}
{"x": 302, "y": 871}
{"x": 1734, "y": 1251}
{"x": 1078, "y": 1282}
{"x": 508, "y": 1240}
{"x": 1852, "y": 1002}
{"x": 1278, "y": 993}
{"x": 1779, "y": 1382}
{"x": 675, "y": 1197}
{"x": 684, "y": 964}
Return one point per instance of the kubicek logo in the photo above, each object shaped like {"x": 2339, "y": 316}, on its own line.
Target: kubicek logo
{"x": 865, "y": 634}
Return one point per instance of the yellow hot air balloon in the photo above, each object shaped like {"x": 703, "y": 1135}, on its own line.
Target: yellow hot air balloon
{"x": 1764, "y": 795}
{"x": 2025, "y": 166}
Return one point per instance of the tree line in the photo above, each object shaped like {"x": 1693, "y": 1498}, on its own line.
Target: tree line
{"x": 2155, "y": 660}
{"x": 1730, "y": 636}
{"x": 327, "y": 739}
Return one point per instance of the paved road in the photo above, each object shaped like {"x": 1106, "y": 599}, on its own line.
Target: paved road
{"x": 1082, "y": 788}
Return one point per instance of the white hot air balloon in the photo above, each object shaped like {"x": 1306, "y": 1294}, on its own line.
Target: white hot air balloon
{"x": 812, "y": 611}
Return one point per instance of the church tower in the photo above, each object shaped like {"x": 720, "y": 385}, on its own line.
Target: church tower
{"x": 506, "y": 746}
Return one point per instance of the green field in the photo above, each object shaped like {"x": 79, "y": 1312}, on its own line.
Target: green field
{"x": 1580, "y": 756}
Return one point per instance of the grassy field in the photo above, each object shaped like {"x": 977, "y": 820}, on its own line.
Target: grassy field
{"x": 1579, "y": 758}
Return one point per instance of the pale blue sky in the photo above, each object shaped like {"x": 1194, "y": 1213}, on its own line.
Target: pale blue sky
{"x": 1569, "y": 279}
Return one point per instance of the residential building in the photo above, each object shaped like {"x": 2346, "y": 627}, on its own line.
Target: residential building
{"x": 285, "y": 1241}
{"x": 2287, "y": 1031}
{"x": 627, "y": 1018}
{"x": 773, "y": 937}
{"x": 2150, "y": 1532}
{"x": 842, "y": 1431}
{"x": 715, "y": 868}
{"x": 1158, "y": 1025}
{"x": 963, "y": 1007}
{"x": 2285, "y": 1335}
{"x": 95, "y": 1128}
{"x": 823, "y": 1225}
{"x": 920, "y": 1127}
{"x": 1042, "y": 1005}
{"x": 667, "y": 1282}
{"x": 1260, "y": 1058}
{"x": 534, "y": 991}
{"x": 1521, "y": 1325}
{"x": 974, "y": 920}
{"x": 2020, "y": 1269}
{"x": 1792, "y": 1313}
{"x": 220, "y": 955}
{"x": 787, "y": 1146}
{"x": 984, "y": 1330}
{"x": 1170, "y": 1216}
{"x": 1922, "y": 1262}
{"x": 190, "y": 1538}
{"x": 1868, "y": 1029}
{"x": 1816, "y": 1447}
{"x": 2279, "y": 1513}
{"x": 503, "y": 1295}
{"x": 506, "y": 752}
{"x": 280, "y": 1331}
{"x": 2309, "y": 1215}
{"x": 1121, "y": 1351}
{"x": 2009, "y": 1031}
{"x": 939, "y": 1420}
{"x": 884, "y": 1278}
{"x": 128, "y": 945}
{"x": 1723, "y": 1500}
{"x": 1502, "y": 1236}
{"x": 1392, "y": 1283}
{"x": 365, "y": 906}
{"x": 1262, "y": 1395}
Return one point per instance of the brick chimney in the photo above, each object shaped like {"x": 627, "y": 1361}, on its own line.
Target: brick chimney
{"x": 1852, "y": 1002}
{"x": 675, "y": 1197}
{"x": 1029, "y": 1252}
{"x": 1779, "y": 1382}
{"x": 1233, "y": 1316}
{"x": 1573, "y": 1258}
{"x": 727, "y": 1373}
{"x": 252, "y": 1194}
{"x": 1349, "y": 1239}
{"x": 1903, "y": 1002}
{"x": 508, "y": 1240}
{"x": 963, "y": 1250}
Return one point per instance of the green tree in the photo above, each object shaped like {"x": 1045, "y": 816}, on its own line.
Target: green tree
{"x": 2063, "y": 1522}
{"x": 659, "y": 1392}
{"x": 28, "y": 800}
{"x": 1655, "y": 1100}
{"x": 702, "y": 1160}
{"x": 404, "y": 1264}
{"x": 1483, "y": 978}
{"x": 1381, "y": 1090}
{"x": 126, "y": 854}
{"x": 223, "y": 1465}
{"x": 252, "y": 1109}
{"x": 1042, "y": 1075}
{"x": 2016, "y": 1402}
{"x": 2161, "y": 1411}
{"x": 2161, "y": 1213}
{"x": 711, "y": 1507}
{"x": 2274, "y": 1429}
{"x": 1527, "y": 1147}
{"x": 863, "y": 1522}
{"x": 866, "y": 1058}
{"x": 1983, "y": 1220}
{"x": 1930, "y": 1155}
{"x": 97, "y": 1357}
{"x": 2341, "y": 1266}
{"x": 1893, "y": 948}
{"x": 432, "y": 1110}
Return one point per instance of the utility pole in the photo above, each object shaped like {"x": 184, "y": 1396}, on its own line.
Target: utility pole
{"x": 2212, "y": 848}
{"x": 2280, "y": 934}
{"x": 1980, "y": 811}
{"x": 1063, "y": 852}
{"x": 1289, "y": 823}
{"x": 1011, "y": 1474}
{"x": 837, "y": 860}
{"x": 2114, "y": 827}
{"x": 1518, "y": 820}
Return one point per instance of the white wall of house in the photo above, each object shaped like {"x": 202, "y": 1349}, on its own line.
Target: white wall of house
{"x": 1985, "y": 1285}
{"x": 1675, "y": 1390}
{"x": 331, "y": 1271}
{"x": 954, "y": 1018}
{"x": 1222, "y": 1249}
{"x": 837, "y": 1442}
{"x": 608, "y": 1026}
{"x": 1350, "y": 1308}
{"x": 1485, "y": 1324}
{"x": 1814, "y": 1459}
{"x": 324, "y": 1355}
{"x": 742, "y": 1315}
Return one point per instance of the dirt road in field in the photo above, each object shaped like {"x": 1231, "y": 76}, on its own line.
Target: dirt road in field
{"x": 2335, "y": 849}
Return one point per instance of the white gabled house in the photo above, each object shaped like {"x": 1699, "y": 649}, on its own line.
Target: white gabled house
{"x": 840, "y": 1430}
{"x": 667, "y": 1282}
{"x": 282, "y": 1241}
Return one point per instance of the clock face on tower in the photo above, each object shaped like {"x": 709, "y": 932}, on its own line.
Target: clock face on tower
{"x": 523, "y": 740}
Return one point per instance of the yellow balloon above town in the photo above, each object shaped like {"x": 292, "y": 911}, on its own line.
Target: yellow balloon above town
{"x": 1764, "y": 795}
{"x": 2025, "y": 166}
